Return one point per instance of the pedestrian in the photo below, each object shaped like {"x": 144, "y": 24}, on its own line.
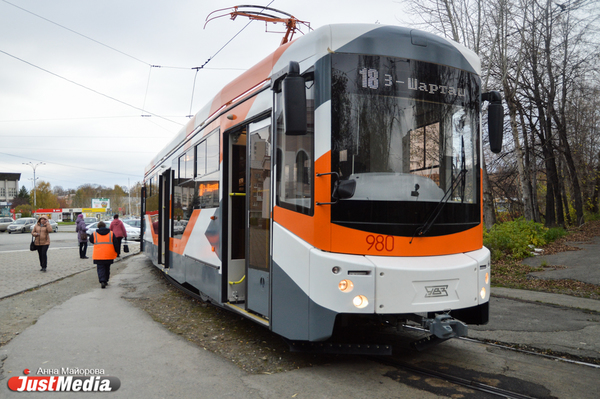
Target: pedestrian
{"x": 104, "y": 252}
{"x": 118, "y": 228}
{"x": 81, "y": 230}
{"x": 41, "y": 231}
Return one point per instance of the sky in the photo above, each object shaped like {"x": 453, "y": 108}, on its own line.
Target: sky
{"x": 91, "y": 90}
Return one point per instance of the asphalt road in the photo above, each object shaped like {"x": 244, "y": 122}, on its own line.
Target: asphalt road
{"x": 62, "y": 239}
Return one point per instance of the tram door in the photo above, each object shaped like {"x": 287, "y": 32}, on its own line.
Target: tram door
{"x": 234, "y": 284}
{"x": 164, "y": 206}
{"x": 258, "y": 216}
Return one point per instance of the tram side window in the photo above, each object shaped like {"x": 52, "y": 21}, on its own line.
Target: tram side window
{"x": 201, "y": 159}
{"x": 213, "y": 152}
{"x": 295, "y": 159}
{"x": 152, "y": 199}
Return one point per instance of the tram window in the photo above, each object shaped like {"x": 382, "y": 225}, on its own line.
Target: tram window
{"x": 201, "y": 159}
{"x": 176, "y": 168}
{"x": 207, "y": 195}
{"x": 295, "y": 160}
{"x": 183, "y": 206}
{"x": 189, "y": 164}
{"x": 213, "y": 152}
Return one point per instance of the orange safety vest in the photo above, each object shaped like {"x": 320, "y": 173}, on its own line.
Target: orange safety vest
{"x": 103, "y": 247}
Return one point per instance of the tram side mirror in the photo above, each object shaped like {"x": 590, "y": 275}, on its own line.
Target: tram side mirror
{"x": 344, "y": 189}
{"x": 294, "y": 101}
{"x": 495, "y": 119}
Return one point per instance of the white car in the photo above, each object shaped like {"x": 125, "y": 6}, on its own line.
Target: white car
{"x": 133, "y": 233}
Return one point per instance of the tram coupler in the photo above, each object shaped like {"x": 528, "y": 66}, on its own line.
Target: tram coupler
{"x": 442, "y": 328}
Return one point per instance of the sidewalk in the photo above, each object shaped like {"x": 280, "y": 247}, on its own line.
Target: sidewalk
{"x": 20, "y": 270}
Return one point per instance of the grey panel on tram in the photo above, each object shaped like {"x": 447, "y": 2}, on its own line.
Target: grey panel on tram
{"x": 203, "y": 277}
{"x": 294, "y": 315}
{"x": 408, "y": 43}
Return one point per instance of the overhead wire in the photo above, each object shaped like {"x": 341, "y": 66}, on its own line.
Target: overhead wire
{"x": 215, "y": 54}
{"x": 88, "y": 88}
{"x": 136, "y": 58}
{"x": 75, "y": 32}
{"x": 69, "y": 166}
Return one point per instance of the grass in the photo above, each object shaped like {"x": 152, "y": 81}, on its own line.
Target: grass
{"x": 509, "y": 271}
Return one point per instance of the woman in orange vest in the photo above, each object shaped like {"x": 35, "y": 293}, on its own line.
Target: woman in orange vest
{"x": 104, "y": 252}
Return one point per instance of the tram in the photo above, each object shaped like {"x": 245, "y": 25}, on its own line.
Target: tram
{"x": 338, "y": 179}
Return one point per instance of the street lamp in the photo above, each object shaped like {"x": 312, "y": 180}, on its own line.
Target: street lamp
{"x": 34, "y": 179}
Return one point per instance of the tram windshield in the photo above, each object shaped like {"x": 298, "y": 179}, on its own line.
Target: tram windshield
{"x": 407, "y": 133}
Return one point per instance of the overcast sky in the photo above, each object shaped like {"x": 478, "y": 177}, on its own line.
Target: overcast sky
{"x": 77, "y": 86}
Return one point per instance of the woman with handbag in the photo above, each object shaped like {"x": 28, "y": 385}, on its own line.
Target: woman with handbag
{"x": 41, "y": 233}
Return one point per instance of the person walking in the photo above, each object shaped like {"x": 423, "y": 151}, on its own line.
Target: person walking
{"x": 81, "y": 230}
{"x": 104, "y": 252}
{"x": 118, "y": 228}
{"x": 41, "y": 231}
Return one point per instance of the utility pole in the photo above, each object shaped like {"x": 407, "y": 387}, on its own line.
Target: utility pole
{"x": 34, "y": 179}
{"x": 129, "y": 189}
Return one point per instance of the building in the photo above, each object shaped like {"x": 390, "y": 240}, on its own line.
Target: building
{"x": 9, "y": 188}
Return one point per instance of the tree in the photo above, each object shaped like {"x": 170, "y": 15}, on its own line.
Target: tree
{"x": 22, "y": 198}
{"x": 544, "y": 56}
{"x": 25, "y": 210}
{"x": 43, "y": 196}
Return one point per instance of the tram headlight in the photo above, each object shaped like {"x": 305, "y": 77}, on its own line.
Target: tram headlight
{"x": 360, "y": 301}
{"x": 482, "y": 293}
{"x": 346, "y": 285}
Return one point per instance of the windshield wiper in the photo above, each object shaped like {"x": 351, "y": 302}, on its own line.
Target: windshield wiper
{"x": 438, "y": 209}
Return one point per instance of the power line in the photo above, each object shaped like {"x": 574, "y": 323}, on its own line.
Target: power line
{"x": 77, "y": 33}
{"x": 87, "y": 88}
{"x": 110, "y": 47}
{"x": 69, "y": 166}
{"x": 79, "y": 137}
{"x": 33, "y": 148}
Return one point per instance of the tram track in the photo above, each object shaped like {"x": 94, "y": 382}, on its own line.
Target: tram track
{"x": 481, "y": 383}
{"x": 460, "y": 381}
{"x": 564, "y": 358}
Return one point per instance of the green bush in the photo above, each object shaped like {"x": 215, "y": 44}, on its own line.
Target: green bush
{"x": 513, "y": 239}
{"x": 554, "y": 234}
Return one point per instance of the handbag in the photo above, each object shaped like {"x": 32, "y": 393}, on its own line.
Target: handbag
{"x": 32, "y": 246}
{"x": 125, "y": 247}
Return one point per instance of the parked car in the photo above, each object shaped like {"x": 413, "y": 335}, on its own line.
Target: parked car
{"x": 133, "y": 233}
{"x": 90, "y": 220}
{"x": 133, "y": 222}
{"x": 4, "y": 222}
{"x": 52, "y": 223}
{"x": 21, "y": 225}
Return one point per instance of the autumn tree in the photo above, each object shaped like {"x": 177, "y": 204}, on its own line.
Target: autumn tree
{"x": 43, "y": 196}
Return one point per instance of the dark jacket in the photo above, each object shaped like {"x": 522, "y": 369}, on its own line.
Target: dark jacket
{"x": 81, "y": 229}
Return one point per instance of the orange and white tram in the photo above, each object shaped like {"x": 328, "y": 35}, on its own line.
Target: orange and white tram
{"x": 339, "y": 178}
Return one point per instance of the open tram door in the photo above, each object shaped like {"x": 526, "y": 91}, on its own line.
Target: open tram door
{"x": 247, "y": 274}
{"x": 164, "y": 210}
